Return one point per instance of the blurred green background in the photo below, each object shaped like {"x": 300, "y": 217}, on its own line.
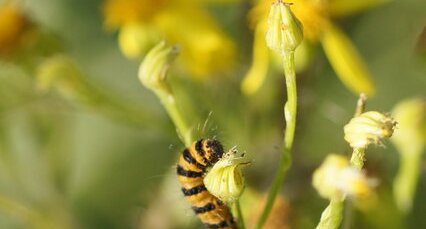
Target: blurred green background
{"x": 105, "y": 158}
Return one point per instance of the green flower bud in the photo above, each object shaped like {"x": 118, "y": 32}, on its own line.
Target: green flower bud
{"x": 367, "y": 128}
{"x": 411, "y": 135}
{"x": 285, "y": 32}
{"x": 59, "y": 72}
{"x": 154, "y": 68}
{"x": 225, "y": 180}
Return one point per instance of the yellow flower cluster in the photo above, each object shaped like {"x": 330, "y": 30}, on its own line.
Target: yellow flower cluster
{"x": 205, "y": 47}
{"x": 12, "y": 26}
{"x": 316, "y": 18}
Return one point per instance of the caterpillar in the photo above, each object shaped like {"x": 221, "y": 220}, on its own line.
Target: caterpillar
{"x": 191, "y": 168}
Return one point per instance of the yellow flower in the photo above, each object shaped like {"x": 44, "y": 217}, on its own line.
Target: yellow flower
{"x": 335, "y": 179}
{"x": 12, "y": 26}
{"x": 206, "y": 49}
{"x": 316, "y": 18}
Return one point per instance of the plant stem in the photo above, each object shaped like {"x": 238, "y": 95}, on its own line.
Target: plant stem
{"x": 357, "y": 158}
{"x": 331, "y": 217}
{"x": 290, "y": 109}
{"x": 405, "y": 182}
{"x": 241, "y": 224}
{"x": 182, "y": 128}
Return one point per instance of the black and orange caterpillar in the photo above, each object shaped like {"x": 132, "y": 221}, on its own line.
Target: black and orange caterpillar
{"x": 191, "y": 169}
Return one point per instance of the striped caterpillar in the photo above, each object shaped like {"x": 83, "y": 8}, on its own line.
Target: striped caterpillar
{"x": 191, "y": 170}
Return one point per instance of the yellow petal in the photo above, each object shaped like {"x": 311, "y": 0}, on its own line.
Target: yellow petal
{"x": 346, "y": 61}
{"x": 347, "y": 7}
{"x": 259, "y": 68}
{"x": 206, "y": 49}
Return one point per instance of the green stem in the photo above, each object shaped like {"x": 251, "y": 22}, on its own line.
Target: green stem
{"x": 406, "y": 180}
{"x": 358, "y": 158}
{"x": 290, "y": 109}
{"x": 331, "y": 217}
{"x": 27, "y": 215}
{"x": 241, "y": 224}
{"x": 182, "y": 128}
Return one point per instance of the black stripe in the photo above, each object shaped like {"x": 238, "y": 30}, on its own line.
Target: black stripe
{"x": 206, "y": 208}
{"x": 199, "y": 147}
{"x": 188, "y": 173}
{"x": 193, "y": 191}
{"x": 217, "y": 225}
{"x": 188, "y": 157}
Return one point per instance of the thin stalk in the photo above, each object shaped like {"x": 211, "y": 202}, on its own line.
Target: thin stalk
{"x": 241, "y": 224}
{"x": 357, "y": 158}
{"x": 182, "y": 128}
{"x": 290, "y": 109}
{"x": 331, "y": 217}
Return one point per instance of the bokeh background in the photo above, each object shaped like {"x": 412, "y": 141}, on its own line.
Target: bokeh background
{"x": 84, "y": 145}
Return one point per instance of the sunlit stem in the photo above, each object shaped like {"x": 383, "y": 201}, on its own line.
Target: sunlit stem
{"x": 241, "y": 224}
{"x": 358, "y": 158}
{"x": 182, "y": 128}
{"x": 331, "y": 217}
{"x": 406, "y": 180}
{"x": 358, "y": 155}
{"x": 290, "y": 116}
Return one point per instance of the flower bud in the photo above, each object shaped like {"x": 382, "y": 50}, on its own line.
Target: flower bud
{"x": 367, "y": 128}
{"x": 335, "y": 179}
{"x": 411, "y": 135}
{"x": 285, "y": 32}
{"x": 225, "y": 180}
{"x": 154, "y": 68}
{"x": 59, "y": 72}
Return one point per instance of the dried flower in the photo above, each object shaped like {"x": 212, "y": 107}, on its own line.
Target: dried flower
{"x": 335, "y": 179}
{"x": 368, "y": 128}
{"x": 225, "y": 180}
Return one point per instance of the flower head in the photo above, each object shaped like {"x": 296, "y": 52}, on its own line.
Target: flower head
{"x": 225, "y": 179}
{"x": 368, "y": 128}
{"x": 336, "y": 179}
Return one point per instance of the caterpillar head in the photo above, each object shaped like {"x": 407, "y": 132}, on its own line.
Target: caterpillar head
{"x": 213, "y": 149}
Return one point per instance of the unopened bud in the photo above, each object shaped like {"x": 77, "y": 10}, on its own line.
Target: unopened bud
{"x": 154, "y": 68}
{"x": 369, "y": 128}
{"x": 225, "y": 180}
{"x": 59, "y": 72}
{"x": 285, "y": 32}
{"x": 411, "y": 135}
